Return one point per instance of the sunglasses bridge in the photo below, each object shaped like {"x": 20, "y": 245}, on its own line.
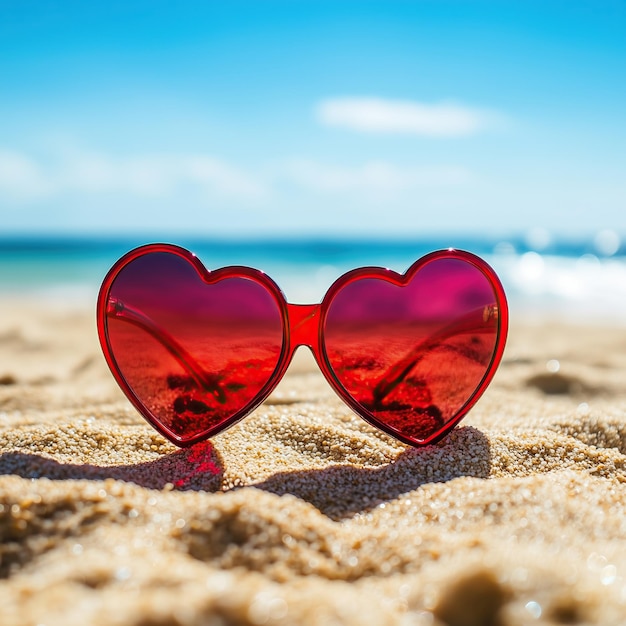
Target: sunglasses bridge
{"x": 304, "y": 327}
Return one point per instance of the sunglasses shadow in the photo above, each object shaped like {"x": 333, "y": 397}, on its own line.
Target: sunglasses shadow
{"x": 337, "y": 491}
{"x": 197, "y": 468}
{"x": 341, "y": 491}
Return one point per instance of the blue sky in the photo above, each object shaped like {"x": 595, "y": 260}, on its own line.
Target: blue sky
{"x": 316, "y": 118}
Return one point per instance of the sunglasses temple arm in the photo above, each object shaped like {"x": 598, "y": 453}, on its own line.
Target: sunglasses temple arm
{"x": 116, "y": 309}
{"x": 478, "y": 321}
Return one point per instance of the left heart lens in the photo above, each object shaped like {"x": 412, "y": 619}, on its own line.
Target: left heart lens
{"x": 194, "y": 354}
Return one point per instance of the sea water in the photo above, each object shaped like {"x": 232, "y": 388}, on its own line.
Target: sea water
{"x": 582, "y": 279}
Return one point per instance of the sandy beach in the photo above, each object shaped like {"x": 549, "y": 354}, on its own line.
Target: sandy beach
{"x": 302, "y": 513}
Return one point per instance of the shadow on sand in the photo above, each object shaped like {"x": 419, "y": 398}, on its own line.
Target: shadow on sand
{"x": 338, "y": 491}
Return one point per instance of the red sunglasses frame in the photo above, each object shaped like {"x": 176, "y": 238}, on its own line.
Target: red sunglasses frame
{"x": 302, "y": 325}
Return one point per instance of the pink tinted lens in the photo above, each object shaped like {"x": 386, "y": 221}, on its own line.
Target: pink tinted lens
{"x": 412, "y": 356}
{"x": 194, "y": 354}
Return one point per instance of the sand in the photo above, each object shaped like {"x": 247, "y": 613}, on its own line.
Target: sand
{"x": 302, "y": 513}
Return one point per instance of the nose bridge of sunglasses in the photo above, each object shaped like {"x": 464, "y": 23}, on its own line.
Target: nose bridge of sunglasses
{"x": 304, "y": 325}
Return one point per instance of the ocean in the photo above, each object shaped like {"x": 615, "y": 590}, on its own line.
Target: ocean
{"x": 580, "y": 279}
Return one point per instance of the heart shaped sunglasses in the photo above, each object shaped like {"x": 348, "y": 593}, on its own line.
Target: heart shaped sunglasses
{"x": 196, "y": 350}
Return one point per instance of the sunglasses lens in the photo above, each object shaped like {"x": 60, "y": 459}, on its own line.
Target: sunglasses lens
{"x": 412, "y": 357}
{"x": 193, "y": 354}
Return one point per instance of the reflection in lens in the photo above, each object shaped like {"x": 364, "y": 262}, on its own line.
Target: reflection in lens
{"x": 413, "y": 355}
{"x": 193, "y": 353}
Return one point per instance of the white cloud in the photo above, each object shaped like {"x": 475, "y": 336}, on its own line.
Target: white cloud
{"x": 373, "y": 176}
{"x": 377, "y": 115}
{"x": 26, "y": 177}
{"x": 20, "y": 175}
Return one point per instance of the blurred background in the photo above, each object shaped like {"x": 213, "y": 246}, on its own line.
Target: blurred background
{"x": 310, "y": 137}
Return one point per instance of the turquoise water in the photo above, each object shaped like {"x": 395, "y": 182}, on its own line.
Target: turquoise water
{"x": 576, "y": 278}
